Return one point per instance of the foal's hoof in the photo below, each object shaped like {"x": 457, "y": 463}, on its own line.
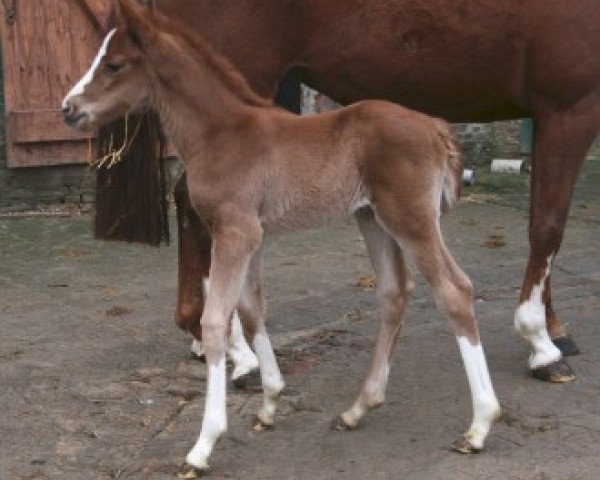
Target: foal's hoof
{"x": 340, "y": 425}
{"x": 566, "y": 345}
{"x": 259, "y": 426}
{"x": 187, "y": 472}
{"x": 464, "y": 445}
{"x": 557, "y": 372}
{"x": 249, "y": 382}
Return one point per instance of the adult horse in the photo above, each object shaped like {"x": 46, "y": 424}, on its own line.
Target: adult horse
{"x": 467, "y": 60}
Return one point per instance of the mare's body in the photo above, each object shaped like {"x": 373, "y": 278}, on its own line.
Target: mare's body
{"x": 471, "y": 60}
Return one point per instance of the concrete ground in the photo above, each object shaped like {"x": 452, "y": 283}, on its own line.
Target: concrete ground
{"x": 96, "y": 381}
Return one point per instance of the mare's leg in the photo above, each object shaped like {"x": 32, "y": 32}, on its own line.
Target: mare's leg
{"x": 234, "y": 243}
{"x": 194, "y": 260}
{"x": 561, "y": 143}
{"x": 251, "y": 308}
{"x": 557, "y": 330}
{"x": 394, "y": 286}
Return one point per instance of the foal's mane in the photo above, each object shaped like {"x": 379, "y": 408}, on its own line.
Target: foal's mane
{"x": 198, "y": 47}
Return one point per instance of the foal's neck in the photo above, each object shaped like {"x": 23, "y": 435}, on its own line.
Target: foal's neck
{"x": 198, "y": 94}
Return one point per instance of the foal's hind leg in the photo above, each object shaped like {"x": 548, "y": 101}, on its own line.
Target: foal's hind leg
{"x": 393, "y": 289}
{"x": 454, "y": 295}
{"x": 251, "y": 308}
{"x": 562, "y": 140}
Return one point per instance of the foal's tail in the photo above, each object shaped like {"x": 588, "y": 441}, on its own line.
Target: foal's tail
{"x": 453, "y": 167}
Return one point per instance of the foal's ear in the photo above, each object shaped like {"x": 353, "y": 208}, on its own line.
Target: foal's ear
{"x": 136, "y": 20}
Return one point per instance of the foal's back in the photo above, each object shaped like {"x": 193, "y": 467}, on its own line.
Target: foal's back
{"x": 324, "y": 167}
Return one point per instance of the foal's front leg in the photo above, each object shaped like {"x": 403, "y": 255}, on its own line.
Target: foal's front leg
{"x": 252, "y": 314}
{"x": 233, "y": 246}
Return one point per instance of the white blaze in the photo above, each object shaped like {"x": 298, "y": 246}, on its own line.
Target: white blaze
{"x": 79, "y": 88}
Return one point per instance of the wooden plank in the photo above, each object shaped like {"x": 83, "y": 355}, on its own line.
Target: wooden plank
{"x": 46, "y": 154}
{"x": 31, "y": 56}
{"x": 37, "y": 126}
{"x": 98, "y": 12}
{"x": 45, "y": 51}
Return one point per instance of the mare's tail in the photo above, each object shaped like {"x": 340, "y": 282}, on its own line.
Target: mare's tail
{"x": 131, "y": 196}
{"x": 453, "y": 168}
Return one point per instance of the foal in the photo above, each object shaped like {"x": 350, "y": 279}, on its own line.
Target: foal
{"x": 253, "y": 168}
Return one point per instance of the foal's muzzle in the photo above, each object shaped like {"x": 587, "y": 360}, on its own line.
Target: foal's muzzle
{"x": 72, "y": 117}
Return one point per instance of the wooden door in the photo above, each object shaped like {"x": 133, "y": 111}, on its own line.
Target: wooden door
{"x": 47, "y": 46}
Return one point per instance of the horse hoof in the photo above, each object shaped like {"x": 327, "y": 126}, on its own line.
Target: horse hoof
{"x": 200, "y": 358}
{"x": 339, "y": 424}
{"x": 259, "y": 426}
{"x": 464, "y": 445}
{"x": 187, "y": 472}
{"x": 566, "y": 345}
{"x": 249, "y": 382}
{"x": 557, "y": 372}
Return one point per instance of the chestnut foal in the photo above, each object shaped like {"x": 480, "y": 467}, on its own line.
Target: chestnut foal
{"x": 253, "y": 168}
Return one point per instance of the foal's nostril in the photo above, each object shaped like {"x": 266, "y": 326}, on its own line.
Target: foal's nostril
{"x": 67, "y": 109}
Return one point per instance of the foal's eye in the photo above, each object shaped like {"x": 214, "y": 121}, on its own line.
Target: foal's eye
{"x": 112, "y": 68}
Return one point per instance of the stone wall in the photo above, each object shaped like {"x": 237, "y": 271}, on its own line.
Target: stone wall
{"x": 482, "y": 142}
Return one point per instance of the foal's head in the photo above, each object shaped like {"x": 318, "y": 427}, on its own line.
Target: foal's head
{"x": 119, "y": 80}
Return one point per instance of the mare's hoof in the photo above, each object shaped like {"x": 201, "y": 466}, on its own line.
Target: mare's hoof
{"x": 249, "y": 382}
{"x": 187, "y": 472}
{"x": 566, "y": 345}
{"x": 340, "y": 425}
{"x": 463, "y": 445}
{"x": 200, "y": 358}
{"x": 259, "y": 426}
{"x": 557, "y": 372}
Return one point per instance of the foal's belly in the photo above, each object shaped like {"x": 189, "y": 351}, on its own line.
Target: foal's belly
{"x": 301, "y": 210}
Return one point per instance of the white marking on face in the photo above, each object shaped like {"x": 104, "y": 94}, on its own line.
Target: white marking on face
{"x": 485, "y": 404}
{"x": 530, "y": 322}
{"x": 79, "y": 88}
{"x": 214, "y": 422}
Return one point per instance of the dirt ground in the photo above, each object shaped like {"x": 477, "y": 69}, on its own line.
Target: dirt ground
{"x": 96, "y": 382}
